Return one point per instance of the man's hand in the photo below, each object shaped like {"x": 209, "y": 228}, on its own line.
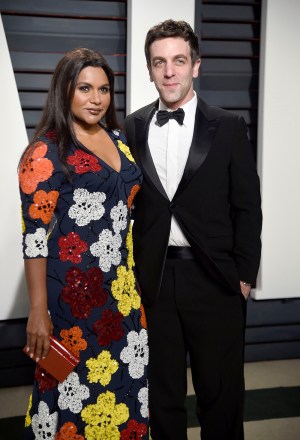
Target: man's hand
{"x": 245, "y": 289}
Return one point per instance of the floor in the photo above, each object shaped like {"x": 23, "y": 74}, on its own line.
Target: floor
{"x": 278, "y": 376}
{"x": 262, "y": 375}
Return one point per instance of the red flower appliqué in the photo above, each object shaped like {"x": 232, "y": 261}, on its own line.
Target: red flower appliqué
{"x": 72, "y": 340}
{"x": 132, "y": 195}
{"x": 84, "y": 162}
{"x": 35, "y": 167}
{"x": 44, "y": 379}
{"x": 71, "y": 248}
{"x": 43, "y": 205}
{"x": 109, "y": 328}
{"x": 68, "y": 432}
{"x": 84, "y": 291}
{"x": 134, "y": 430}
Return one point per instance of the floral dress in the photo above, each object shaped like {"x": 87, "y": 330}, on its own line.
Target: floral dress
{"x": 82, "y": 226}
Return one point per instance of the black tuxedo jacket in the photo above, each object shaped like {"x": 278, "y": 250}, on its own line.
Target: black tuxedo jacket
{"x": 217, "y": 203}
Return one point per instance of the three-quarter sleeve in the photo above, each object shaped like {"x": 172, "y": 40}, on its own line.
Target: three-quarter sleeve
{"x": 40, "y": 180}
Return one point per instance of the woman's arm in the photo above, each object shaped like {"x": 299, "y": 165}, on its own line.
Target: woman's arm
{"x": 39, "y": 325}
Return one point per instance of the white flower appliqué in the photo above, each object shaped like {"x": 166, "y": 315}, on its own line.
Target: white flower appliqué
{"x": 88, "y": 206}
{"x": 36, "y": 244}
{"x": 107, "y": 249}
{"x": 116, "y": 132}
{"x": 44, "y": 424}
{"x": 143, "y": 399}
{"x": 136, "y": 354}
{"x": 72, "y": 393}
{"x": 119, "y": 216}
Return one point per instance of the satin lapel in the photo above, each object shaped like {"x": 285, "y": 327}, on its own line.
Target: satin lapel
{"x": 143, "y": 151}
{"x": 204, "y": 132}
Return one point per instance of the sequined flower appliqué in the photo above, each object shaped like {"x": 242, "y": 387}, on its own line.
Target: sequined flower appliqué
{"x": 72, "y": 393}
{"x": 88, "y": 206}
{"x": 35, "y": 168}
{"x": 102, "y": 368}
{"x": 84, "y": 291}
{"x": 27, "y": 417}
{"x": 71, "y": 248}
{"x": 143, "y": 399}
{"x": 109, "y": 327}
{"x": 132, "y": 195}
{"x": 73, "y": 341}
{"x": 124, "y": 291}
{"x": 68, "y": 432}
{"x": 104, "y": 417}
{"x": 43, "y": 205}
{"x": 136, "y": 354}
{"x": 119, "y": 216}
{"x": 36, "y": 244}
{"x": 134, "y": 430}
{"x": 43, "y": 423}
{"x": 45, "y": 381}
{"x": 107, "y": 249}
{"x": 126, "y": 150}
{"x": 84, "y": 162}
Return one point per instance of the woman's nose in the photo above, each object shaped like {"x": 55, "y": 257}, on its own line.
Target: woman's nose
{"x": 95, "y": 97}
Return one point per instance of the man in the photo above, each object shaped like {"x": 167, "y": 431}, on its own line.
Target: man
{"x": 196, "y": 241}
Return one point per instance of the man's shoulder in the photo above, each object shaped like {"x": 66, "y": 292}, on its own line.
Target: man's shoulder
{"x": 143, "y": 111}
{"x": 212, "y": 112}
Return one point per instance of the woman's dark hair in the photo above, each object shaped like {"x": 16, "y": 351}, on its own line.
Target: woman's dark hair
{"x": 171, "y": 28}
{"x": 57, "y": 117}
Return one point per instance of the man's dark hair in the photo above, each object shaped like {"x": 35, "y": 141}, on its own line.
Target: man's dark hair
{"x": 171, "y": 28}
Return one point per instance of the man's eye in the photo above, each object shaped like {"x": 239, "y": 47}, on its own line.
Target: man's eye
{"x": 158, "y": 63}
{"x": 180, "y": 61}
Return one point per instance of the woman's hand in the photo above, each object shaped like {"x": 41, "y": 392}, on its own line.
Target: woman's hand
{"x": 39, "y": 328}
{"x": 39, "y": 325}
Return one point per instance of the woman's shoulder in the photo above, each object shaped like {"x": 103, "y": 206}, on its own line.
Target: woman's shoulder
{"x": 41, "y": 151}
{"x": 118, "y": 134}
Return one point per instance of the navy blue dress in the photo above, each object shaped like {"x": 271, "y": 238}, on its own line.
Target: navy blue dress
{"x": 82, "y": 227}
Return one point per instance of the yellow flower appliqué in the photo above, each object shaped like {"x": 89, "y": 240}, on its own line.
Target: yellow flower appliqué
{"x": 125, "y": 149}
{"x": 103, "y": 418}
{"x": 129, "y": 246}
{"x": 28, "y": 418}
{"x": 123, "y": 289}
{"x": 22, "y": 222}
{"x": 102, "y": 368}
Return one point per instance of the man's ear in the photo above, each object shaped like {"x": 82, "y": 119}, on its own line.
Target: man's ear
{"x": 150, "y": 74}
{"x": 196, "y": 67}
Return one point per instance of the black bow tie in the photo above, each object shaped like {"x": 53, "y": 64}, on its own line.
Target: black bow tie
{"x": 163, "y": 116}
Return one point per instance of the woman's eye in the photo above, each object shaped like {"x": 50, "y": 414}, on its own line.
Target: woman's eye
{"x": 84, "y": 88}
{"x": 104, "y": 90}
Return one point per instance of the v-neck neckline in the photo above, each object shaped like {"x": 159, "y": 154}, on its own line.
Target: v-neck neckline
{"x": 100, "y": 158}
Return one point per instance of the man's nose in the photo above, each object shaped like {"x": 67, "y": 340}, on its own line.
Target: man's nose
{"x": 169, "y": 70}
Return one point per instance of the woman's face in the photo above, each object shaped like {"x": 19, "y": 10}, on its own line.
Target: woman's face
{"x": 91, "y": 96}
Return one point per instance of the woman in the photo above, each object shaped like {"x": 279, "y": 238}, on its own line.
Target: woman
{"x": 77, "y": 184}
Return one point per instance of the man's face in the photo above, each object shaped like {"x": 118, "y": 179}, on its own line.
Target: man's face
{"x": 172, "y": 71}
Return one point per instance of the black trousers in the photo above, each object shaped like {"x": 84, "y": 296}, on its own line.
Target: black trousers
{"x": 195, "y": 314}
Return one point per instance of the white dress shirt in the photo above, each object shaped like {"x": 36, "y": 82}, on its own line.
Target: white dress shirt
{"x": 169, "y": 147}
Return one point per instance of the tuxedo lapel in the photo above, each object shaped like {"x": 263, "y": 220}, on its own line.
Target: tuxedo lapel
{"x": 204, "y": 132}
{"x": 145, "y": 159}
